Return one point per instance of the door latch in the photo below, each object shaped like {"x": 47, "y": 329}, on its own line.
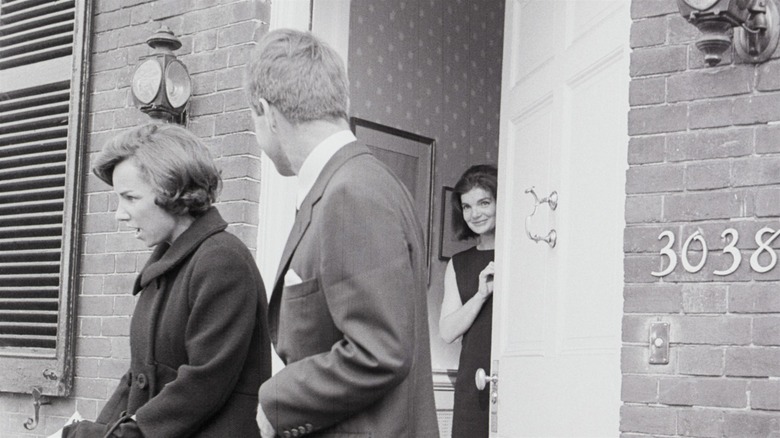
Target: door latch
{"x": 481, "y": 379}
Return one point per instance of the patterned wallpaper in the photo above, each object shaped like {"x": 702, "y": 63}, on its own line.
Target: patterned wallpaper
{"x": 432, "y": 67}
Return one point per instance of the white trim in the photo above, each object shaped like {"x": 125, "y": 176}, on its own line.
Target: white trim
{"x": 277, "y": 193}
{"x": 331, "y": 23}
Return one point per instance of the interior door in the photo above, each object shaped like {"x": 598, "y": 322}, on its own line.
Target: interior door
{"x": 557, "y": 310}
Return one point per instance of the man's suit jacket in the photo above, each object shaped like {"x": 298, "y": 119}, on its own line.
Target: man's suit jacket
{"x": 354, "y": 333}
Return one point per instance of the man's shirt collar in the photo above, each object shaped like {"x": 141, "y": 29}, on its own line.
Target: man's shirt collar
{"x": 317, "y": 159}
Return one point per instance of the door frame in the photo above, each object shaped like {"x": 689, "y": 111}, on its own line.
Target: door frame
{"x": 276, "y": 205}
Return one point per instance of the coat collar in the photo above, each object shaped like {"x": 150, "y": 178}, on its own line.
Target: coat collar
{"x": 303, "y": 218}
{"x": 166, "y": 257}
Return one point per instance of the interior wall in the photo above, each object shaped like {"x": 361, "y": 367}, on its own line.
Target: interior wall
{"x": 432, "y": 67}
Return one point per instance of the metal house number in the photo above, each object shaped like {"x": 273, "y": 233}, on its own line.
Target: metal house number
{"x": 764, "y": 238}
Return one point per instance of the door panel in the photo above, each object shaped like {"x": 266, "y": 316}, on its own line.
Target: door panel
{"x": 524, "y": 334}
{"x": 557, "y": 310}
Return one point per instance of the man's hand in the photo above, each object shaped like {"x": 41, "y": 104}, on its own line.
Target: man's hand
{"x": 266, "y": 428}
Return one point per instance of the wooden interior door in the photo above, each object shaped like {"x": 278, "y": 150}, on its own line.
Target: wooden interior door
{"x": 557, "y": 310}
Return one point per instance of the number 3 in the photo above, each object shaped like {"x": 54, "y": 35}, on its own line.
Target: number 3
{"x": 667, "y": 251}
{"x": 731, "y": 248}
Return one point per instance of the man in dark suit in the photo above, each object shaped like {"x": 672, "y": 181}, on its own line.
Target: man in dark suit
{"x": 348, "y": 313}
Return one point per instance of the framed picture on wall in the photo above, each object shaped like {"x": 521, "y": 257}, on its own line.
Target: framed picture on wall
{"x": 410, "y": 157}
{"x": 449, "y": 245}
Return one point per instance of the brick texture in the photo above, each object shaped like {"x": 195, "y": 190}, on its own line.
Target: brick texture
{"x": 702, "y": 159}
{"x": 216, "y": 36}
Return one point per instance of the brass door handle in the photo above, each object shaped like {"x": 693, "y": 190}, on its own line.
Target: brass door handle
{"x": 552, "y": 200}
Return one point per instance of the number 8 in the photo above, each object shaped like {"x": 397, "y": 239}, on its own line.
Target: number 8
{"x": 764, "y": 246}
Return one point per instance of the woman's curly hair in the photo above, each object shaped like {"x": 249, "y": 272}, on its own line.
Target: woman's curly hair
{"x": 174, "y": 161}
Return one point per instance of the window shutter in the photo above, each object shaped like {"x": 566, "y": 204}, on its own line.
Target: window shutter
{"x": 33, "y": 141}
{"x": 34, "y": 31}
{"x": 42, "y": 46}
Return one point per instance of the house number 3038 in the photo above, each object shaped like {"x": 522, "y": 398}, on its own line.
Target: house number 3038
{"x": 764, "y": 238}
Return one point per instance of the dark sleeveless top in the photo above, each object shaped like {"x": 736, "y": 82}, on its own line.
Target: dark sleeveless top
{"x": 471, "y": 409}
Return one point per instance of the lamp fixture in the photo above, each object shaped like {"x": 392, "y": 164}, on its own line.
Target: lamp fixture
{"x": 756, "y": 26}
{"x": 161, "y": 84}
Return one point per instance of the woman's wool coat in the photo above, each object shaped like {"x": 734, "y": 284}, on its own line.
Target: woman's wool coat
{"x": 199, "y": 342}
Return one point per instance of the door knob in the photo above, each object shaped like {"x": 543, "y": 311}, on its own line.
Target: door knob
{"x": 481, "y": 379}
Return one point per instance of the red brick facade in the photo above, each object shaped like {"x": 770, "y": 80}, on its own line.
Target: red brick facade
{"x": 216, "y": 37}
{"x": 701, "y": 158}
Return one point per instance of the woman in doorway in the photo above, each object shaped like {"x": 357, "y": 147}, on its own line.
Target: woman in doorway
{"x": 467, "y": 307}
{"x": 199, "y": 345}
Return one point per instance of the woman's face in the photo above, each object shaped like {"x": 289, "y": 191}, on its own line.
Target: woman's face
{"x": 479, "y": 210}
{"x": 137, "y": 210}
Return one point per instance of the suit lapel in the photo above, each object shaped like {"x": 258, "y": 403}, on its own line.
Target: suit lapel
{"x": 303, "y": 218}
{"x": 302, "y": 221}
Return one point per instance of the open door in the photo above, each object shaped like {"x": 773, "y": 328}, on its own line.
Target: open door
{"x": 557, "y": 309}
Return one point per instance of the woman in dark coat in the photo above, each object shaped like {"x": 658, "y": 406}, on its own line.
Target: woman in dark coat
{"x": 198, "y": 338}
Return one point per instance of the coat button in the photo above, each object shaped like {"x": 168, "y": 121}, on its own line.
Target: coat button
{"x": 141, "y": 380}
{"x": 309, "y": 428}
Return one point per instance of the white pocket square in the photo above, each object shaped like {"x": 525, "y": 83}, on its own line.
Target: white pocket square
{"x": 291, "y": 278}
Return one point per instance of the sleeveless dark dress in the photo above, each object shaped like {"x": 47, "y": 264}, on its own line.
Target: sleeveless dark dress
{"x": 471, "y": 408}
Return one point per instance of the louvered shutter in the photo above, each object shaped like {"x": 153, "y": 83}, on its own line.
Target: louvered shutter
{"x": 42, "y": 46}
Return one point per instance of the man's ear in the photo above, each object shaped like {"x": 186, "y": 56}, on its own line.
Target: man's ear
{"x": 270, "y": 114}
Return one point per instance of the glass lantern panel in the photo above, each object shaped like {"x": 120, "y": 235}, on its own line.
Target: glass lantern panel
{"x": 177, "y": 84}
{"x": 147, "y": 80}
{"x": 701, "y": 4}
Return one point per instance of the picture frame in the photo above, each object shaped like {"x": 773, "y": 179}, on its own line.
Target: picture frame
{"x": 411, "y": 158}
{"x": 449, "y": 245}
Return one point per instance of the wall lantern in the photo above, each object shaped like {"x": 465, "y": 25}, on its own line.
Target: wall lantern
{"x": 755, "y": 21}
{"x": 161, "y": 83}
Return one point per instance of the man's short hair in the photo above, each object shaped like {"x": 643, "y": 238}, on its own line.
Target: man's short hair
{"x": 300, "y": 75}
{"x": 172, "y": 159}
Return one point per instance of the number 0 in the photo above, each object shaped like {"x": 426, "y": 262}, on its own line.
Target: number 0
{"x": 686, "y": 264}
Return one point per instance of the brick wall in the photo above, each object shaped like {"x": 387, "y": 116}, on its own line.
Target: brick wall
{"x": 216, "y": 37}
{"x": 702, "y": 157}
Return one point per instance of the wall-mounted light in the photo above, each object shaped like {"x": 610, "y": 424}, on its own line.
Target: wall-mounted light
{"x": 161, "y": 83}
{"x": 756, "y": 26}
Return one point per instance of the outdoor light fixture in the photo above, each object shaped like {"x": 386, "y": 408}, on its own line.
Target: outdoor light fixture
{"x": 161, "y": 83}
{"x": 755, "y": 21}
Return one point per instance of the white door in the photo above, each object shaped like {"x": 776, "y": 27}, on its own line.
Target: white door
{"x": 557, "y": 310}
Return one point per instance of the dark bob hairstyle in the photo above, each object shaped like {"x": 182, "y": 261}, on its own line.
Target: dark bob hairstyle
{"x": 174, "y": 161}
{"x": 483, "y": 176}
